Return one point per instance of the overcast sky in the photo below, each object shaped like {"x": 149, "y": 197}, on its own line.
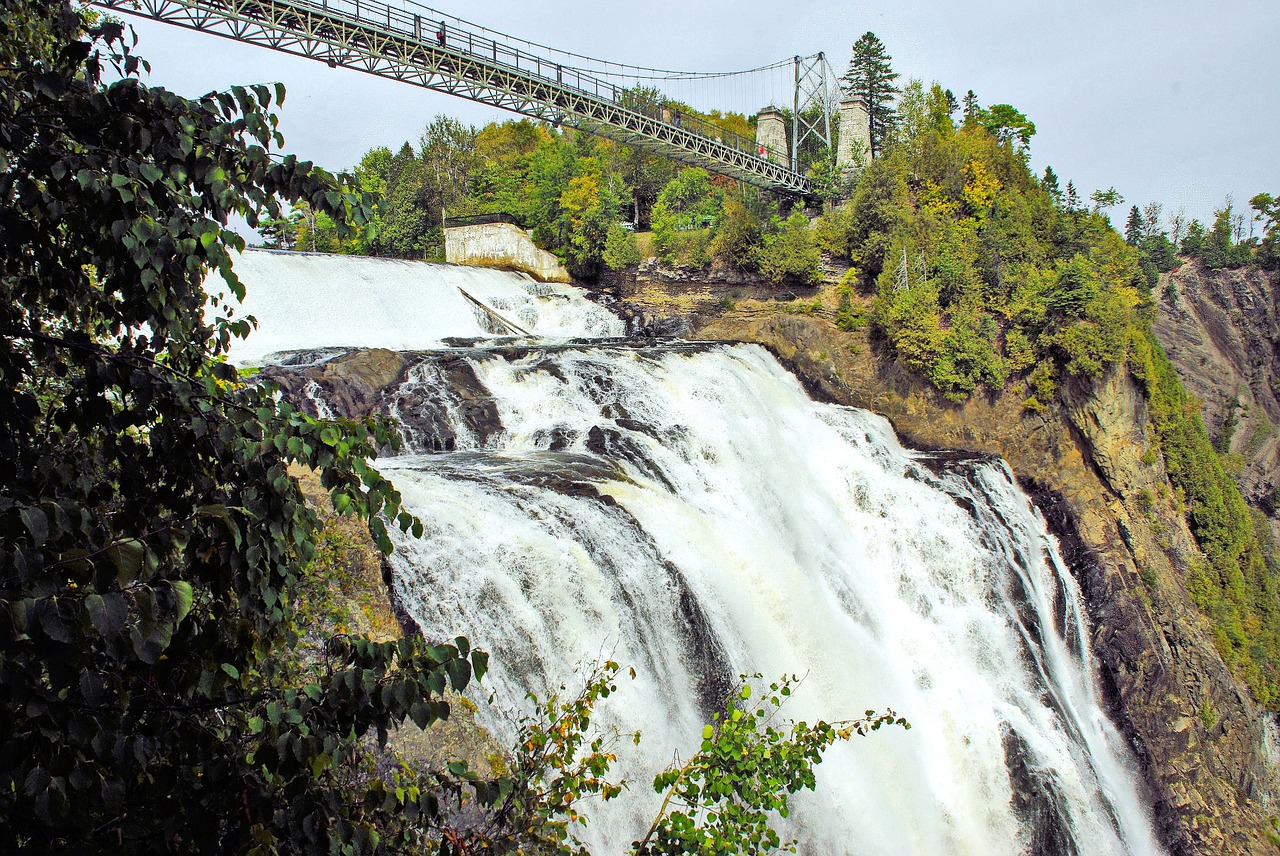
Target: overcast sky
{"x": 1169, "y": 100}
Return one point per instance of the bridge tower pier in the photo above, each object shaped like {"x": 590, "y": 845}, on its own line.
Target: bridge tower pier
{"x": 771, "y": 133}
{"x": 855, "y": 134}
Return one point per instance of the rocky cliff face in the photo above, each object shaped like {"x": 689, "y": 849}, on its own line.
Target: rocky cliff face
{"x": 1221, "y": 329}
{"x": 1102, "y": 487}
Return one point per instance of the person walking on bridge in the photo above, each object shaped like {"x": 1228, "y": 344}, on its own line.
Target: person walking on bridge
{"x": 440, "y": 34}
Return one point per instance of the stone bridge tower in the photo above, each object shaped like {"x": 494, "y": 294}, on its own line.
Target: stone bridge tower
{"x": 771, "y": 132}
{"x": 855, "y": 133}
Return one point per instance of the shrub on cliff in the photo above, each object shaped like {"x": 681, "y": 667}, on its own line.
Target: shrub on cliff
{"x": 1238, "y": 586}
{"x": 790, "y": 252}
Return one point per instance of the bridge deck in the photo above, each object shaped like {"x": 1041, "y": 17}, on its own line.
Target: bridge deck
{"x": 404, "y": 44}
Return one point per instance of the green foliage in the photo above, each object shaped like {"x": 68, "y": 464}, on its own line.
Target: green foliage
{"x": 684, "y": 216}
{"x": 721, "y": 801}
{"x": 1008, "y": 125}
{"x": 151, "y": 542}
{"x": 1237, "y": 585}
{"x": 1267, "y": 210}
{"x": 979, "y": 271}
{"x": 849, "y": 317}
{"x": 739, "y": 235}
{"x": 862, "y": 229}
{"x": 621, "y": 249}
{"x": 1208, "y": 716}
{"x": 790, "y": 253}
{"x": 1223, "y": 245}
{"x": 559, "y": 762}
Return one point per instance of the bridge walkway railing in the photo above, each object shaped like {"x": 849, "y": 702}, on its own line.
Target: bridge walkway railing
{"x": 433, "y": 38}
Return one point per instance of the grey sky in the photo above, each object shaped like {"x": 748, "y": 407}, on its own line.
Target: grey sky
{"x": 1176, "y": 101}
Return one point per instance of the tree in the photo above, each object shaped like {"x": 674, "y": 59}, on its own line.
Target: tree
{"x": 871, "y": 78}
{"x": 1268, "y": 211}
{"x": 1152, "y": 214}
{"x": 621, "y": 249}
{"x": 1008, "y": 125}
{"x": 151, "y": 542}
{"x": 1108, "y": 198}
{"x": 1134, "y": 227}
{"x": 952, "y": 104}
{"x": 686, "y": 210}
{"x": 1050, "y": 184}
{"x": 790, "y": 252}
{"x": 446, "y": 151}
{"x": 1072, "y": 199}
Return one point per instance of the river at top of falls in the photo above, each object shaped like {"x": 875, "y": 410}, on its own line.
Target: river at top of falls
{"x": 689, "y": 511}
{"x": 311, "y": 301}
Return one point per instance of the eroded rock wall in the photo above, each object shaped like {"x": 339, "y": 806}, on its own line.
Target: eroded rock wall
{"x": 1221, "y": 329}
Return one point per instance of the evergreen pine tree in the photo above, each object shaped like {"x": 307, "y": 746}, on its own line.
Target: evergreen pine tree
{"x": 952, "y": 104}
{"x": 971, "y": 107}
{"x": 1073, "y": 197}
{"x": 871, "y": 78}
{"x": 1050, "y": 183}
{"x": 1135, "y": 228}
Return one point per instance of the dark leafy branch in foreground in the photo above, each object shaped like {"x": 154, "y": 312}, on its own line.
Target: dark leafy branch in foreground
{"x": 151, "y": 539}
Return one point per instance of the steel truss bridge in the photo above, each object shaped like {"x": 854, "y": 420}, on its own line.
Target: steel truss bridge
{"x": 418, "y": 45}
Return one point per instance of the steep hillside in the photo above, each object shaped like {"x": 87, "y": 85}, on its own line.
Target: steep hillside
{"x": 1221, "y": 329}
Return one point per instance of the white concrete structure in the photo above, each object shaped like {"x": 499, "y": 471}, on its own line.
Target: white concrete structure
{"x": 501, "y": 245}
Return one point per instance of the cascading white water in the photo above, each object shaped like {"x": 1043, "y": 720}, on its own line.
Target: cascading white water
{"x": 687, "y": 510}
{"x": 311, "y": 300}
{"x": 751, "y": 529}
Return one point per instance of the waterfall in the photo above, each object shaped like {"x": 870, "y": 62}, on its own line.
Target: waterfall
{"x": 687, "y": 510}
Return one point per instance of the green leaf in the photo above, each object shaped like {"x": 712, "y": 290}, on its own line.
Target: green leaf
{"x": 107, "y": 613}
{"x": 232, "y": 671}
{"x": 127, "y": 556}
{"x": 36, "y": 522}
{"x": 183, "y": 594}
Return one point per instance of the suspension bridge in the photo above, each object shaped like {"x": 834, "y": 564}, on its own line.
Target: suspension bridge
{"x": 404, "y": 41}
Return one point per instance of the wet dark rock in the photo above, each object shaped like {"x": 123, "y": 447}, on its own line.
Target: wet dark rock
{"x": 1037, "y": 801}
